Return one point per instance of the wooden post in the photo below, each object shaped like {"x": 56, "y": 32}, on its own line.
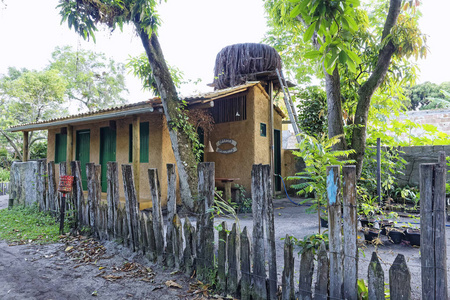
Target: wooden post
{"x": 321, "y": 288}
{"x": 432, "y": 227}
{"x": 171, "y": 211}
{"x": 188, "y": 255}
{"x": 158, "y": 225}
{"x": 69, "y": 148}
{"x": 306, "y": 274}
{"x": 62, "y": 172}
{"x": 177, "y": 241}
{"x": 41, "y": 185}
{"x": 270, "y": 231}
{"x": 112, "y": 196}
{"x": 78, "y": 192}
{"x": 52, "y": 193}
{"x": 222, "y": 259}
{"x": 375, "y": 279}
{"x": 131, "y": 205}
{"x": 151, "y": 254}
{"x": 25, "y": 146}
{"x": 334, "y": 221}
{"x": 233, "y": 255}
{"x": 259, "y": 259}
{"x": 205, "y": 242}
{"x": 136, "y": 153}
{"x": 287, "y": 279}
{"x": 350, "y": 238}
{"x": 246, "y": 290}
{"x": 400, "y": 279}
{"x": 440, "y": 241}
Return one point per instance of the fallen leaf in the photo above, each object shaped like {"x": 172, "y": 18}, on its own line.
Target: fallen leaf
{"x": 69, "y": 248}
{"x": 94, "y": 293}
{"x": 171, "y": 283}
{"x": 101, "y": 268}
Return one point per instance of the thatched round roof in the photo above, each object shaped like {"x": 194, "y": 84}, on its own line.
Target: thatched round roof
{"x": 239, "y": 63}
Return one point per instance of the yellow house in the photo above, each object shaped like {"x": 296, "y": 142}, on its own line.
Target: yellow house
{"x": 242, "y": 135}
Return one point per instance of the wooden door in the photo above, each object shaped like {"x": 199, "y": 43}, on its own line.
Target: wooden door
{"x": 107, "y": 151}
{"x": 82, "y": 152}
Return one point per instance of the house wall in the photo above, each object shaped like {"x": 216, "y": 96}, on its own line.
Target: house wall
{"x": 252, "y": 148}
{"x": 158, "y": 140}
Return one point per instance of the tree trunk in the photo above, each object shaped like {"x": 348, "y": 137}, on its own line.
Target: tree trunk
{"x": 367, "y": 90}
{"x": 335, "y": 123}
{"x": 181, "y": 145}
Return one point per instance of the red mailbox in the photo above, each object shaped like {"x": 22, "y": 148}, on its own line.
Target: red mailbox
{"x": 65, "y": 184}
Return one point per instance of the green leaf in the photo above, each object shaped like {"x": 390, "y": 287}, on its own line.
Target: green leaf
{"x": 296, "y": 11}
{"x": 313, "y": 54}
{"x": 352, "y": 55}
{"x": 343, "y": 57}
{"x": 309, "y": 32}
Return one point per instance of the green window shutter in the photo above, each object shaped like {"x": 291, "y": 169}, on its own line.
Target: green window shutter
{"x": 144, "y": 145}
{"x": 144, "y": 133}
{"x": 60, "y": 147}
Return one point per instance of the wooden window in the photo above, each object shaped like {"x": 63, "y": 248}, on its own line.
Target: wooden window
{"x": 230, "y": 109}
{"x": 60, "y": 147}
{"x": 263, "y": 129}
{"x": 144, "y": 130}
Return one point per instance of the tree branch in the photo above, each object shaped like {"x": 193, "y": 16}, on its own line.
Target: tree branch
{"x": 11, "y": 142}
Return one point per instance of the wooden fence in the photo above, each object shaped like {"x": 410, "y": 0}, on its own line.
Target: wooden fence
{"x": 241, "y": 266}
{"x": 4, "y": 188}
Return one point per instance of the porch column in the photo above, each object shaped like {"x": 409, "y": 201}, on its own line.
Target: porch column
{"x": 136, "y": 152}
{"x": 69, "y": 144}
{"x": 25, "y": 146}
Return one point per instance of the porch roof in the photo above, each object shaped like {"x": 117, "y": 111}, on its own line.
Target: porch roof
{"x": 149, "y": 106}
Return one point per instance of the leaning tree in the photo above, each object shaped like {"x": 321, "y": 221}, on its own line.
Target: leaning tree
{"x": 85, "y": 15}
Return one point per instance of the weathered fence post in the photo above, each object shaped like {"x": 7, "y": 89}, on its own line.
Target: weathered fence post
{"x": 334, "y": 221}
{"x": 287, "y": 279}
{"x": 270, "y": 232}
{"x": 350, "y": 269}
{"x": 112, "y": 196}
{"x": 233, "y": 255}
{"x": 78, "y": 196}
{"x": 189, "y": 250}
{"x": 306, "y": 274}
{"x": 205, "y": 242}
{"x": 259, "y": 258}
{"x": 245, "y": 266}
{"x": 400, "y": 279}
{"x": 158, "y": 225}
{"x": 375, "y": 279}
{"x": 131, "y": 205}
{"x": 40, "y": 184}
{"x": 432, "y": 228}
{"x": 171, "y": 210}
{"x": 52, "y": 194}
{"x": 177, "y": 239}
{"x": 222, "y": 258}
{"x": 321, "y": 288}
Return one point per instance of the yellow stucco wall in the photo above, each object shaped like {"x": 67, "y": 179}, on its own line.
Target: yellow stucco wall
{"x": 252, "y": 148}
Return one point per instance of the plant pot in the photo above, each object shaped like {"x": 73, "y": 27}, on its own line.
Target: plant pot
{"x": 370, "y": 233}
{"x": 385, "y": 226}
{"x": 396, "y": 235}
{"x": 365, "y": 222}
{"x": 323, "y": 223}
{"x": 413, "y": 236}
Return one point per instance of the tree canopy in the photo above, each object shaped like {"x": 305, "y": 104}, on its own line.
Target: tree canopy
{"x": 357, "y": 49}
{"x": 93, "y": 79}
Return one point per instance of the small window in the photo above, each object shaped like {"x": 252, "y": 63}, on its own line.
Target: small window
{"x": 263, "y": 130}
{"x": 60, "y": 147}
{"x": 144, "y": 129}
{"x": 229, "y": 110}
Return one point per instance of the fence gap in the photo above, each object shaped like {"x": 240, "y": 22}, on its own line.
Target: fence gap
{"x": 188, "y": 254}
{"x": 171, "y": 210}
{"x": 246, "y": 290}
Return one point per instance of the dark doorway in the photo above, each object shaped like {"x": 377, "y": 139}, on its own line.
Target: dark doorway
{"x": 82, "y": 153}
{"x": 277, "y": 158}
{"x": 107, "y": 151}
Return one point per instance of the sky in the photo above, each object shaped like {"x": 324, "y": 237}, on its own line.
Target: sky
{"x": 191, "y": 35}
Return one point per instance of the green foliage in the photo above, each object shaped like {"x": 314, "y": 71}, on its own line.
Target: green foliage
{"x": 4, "y": 175}
{"x": 94, "y": 80}
{"x": 312, "y": 241}
{"x": 442, "y": 102}
{"x": 39, "y": 150}
{"x": 363, "y": 290}
{"x": 317, "y": 155}
{"x": 312, "y": 111}
{"x": 417, "y": 95}
{"x": 24, "y": 225}
{"x": 245, "y": 203}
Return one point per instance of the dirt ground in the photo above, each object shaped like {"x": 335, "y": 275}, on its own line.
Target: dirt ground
{"x": 49, "y": 272}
